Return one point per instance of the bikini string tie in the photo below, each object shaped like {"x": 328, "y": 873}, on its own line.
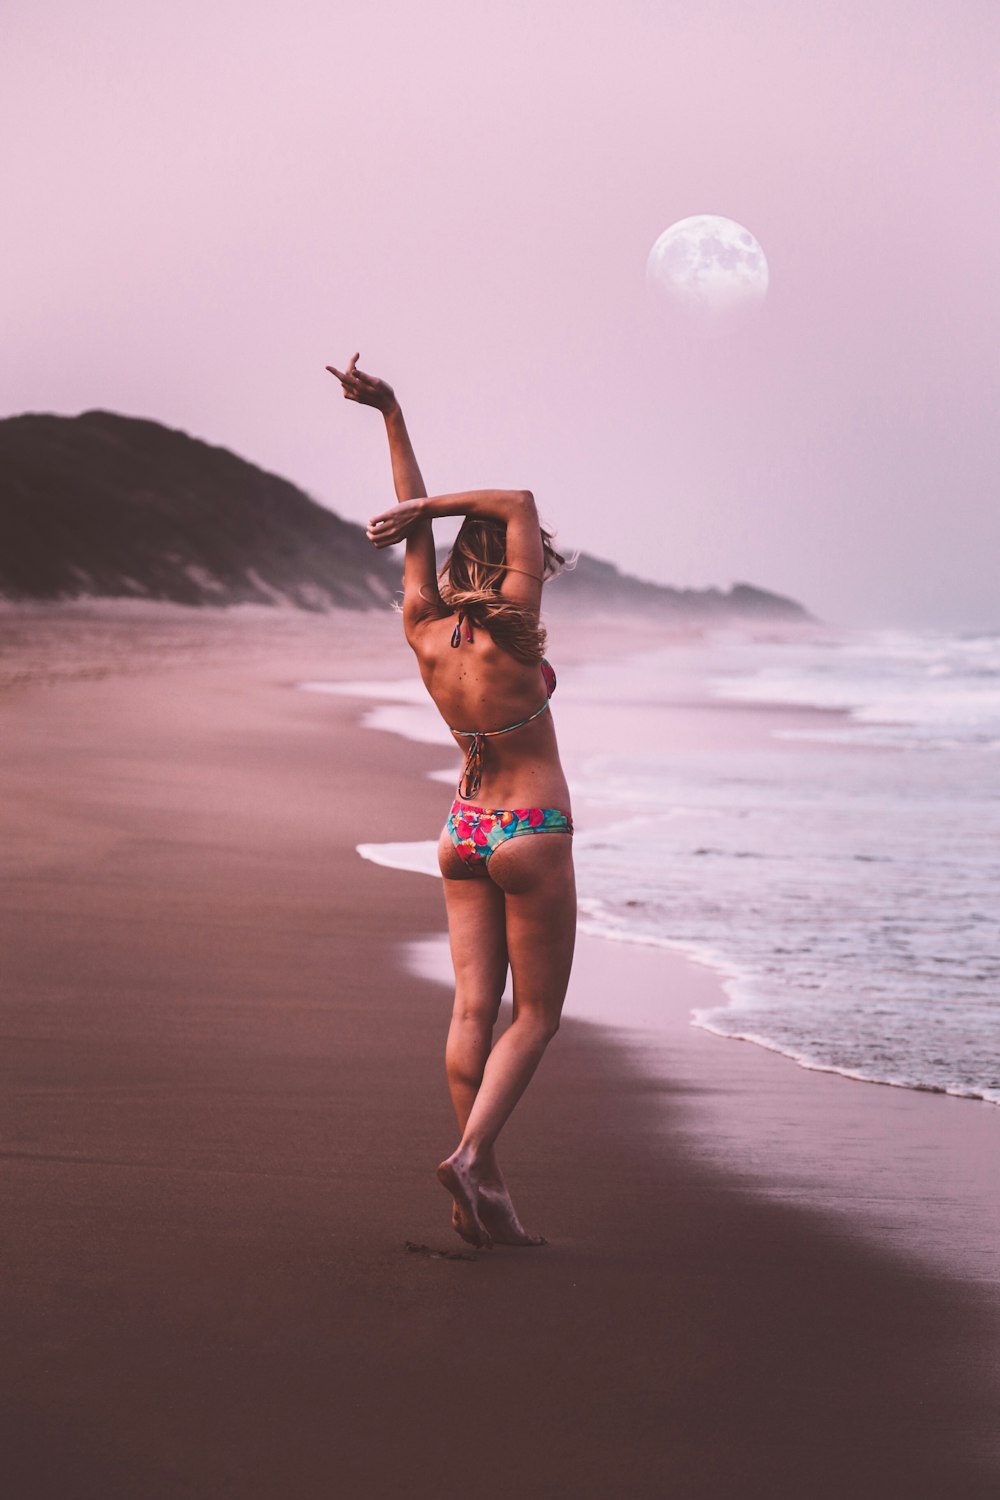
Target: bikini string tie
{"x": 456, "y": 634}
{"x": 472, "y": 772}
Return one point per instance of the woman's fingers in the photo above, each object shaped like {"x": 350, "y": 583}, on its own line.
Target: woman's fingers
{"x": 350, "y": 373}
{"x": 386, "y": 530}
{"x": 390, "y": 527}
{"x": 350, "y": 384}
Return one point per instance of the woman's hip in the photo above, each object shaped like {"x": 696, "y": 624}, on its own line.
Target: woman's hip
{"x": 476, "y": 834}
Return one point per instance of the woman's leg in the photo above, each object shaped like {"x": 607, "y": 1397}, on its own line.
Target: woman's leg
{"x": 478, "y": 938}
{"x": 535, "y": 875}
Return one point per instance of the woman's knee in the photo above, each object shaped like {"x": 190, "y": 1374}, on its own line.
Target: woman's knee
{"x": 541, "y": 1025}
{"x": 550, "y": 1025}
{"x": 476, "y": 1009}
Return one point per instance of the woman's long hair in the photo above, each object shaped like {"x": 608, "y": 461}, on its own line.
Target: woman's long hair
{"x": 470, "y": 581}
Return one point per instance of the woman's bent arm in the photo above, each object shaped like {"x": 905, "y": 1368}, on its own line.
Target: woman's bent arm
{"x": 525, "y": 561}
{"x": 495, "y": 505}
{"x": 515, "y": 508}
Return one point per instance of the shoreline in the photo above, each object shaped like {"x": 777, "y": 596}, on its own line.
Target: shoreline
{"x": 948, "y": 1210}
{"x": 223, "y": 1105}
{"x": 418, "y": 858}
{"x": 942, "y": 1211}
{"x": 400, "y": 708}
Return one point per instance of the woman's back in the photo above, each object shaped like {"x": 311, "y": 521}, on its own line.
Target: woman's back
{"x": 477, "y": 686}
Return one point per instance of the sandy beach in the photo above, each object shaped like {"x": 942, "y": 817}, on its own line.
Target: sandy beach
{"x": 229, "y": 1268}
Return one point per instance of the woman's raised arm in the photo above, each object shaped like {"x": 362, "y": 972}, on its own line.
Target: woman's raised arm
{"x": 420, "y": 590}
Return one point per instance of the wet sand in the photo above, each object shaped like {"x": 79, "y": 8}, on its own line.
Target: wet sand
{"x": 223, "y": 1102}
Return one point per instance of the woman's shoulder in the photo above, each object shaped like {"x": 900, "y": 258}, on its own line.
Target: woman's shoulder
{"x": 425, "y": 635}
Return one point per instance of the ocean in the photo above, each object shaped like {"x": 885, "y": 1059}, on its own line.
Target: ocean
{"x": 842, "y": 875}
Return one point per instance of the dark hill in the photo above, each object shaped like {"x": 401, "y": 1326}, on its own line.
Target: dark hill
{"x": 597, "y": 586}
{"x": 116, "y": 507}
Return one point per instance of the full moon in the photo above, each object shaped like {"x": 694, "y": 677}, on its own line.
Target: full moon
{"x": 708, "y": 270}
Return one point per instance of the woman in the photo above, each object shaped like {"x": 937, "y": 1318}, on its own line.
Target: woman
{"x": 511, "y": 899}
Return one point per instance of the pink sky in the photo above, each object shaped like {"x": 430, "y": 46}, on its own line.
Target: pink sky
{"x": 209, "y": 201}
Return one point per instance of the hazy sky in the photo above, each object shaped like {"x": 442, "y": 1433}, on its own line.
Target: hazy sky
{"x": 206, "y": 202}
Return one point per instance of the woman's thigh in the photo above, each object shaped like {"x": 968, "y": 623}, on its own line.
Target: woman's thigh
{"x": 478, "y": 938}
{"x": 535, "y": 874}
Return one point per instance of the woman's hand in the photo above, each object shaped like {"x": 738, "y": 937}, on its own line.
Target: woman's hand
{"x": 367, "y": 389}
{"x": 394, "y": 525}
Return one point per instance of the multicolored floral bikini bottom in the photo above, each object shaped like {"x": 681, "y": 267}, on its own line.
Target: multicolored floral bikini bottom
{"x": 477, "y": 832}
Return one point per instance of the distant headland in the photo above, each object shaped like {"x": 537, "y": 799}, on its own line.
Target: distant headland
{"x": 108, "y": 506}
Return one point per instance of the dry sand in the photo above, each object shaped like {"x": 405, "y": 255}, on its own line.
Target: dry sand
{"x": 224, "y": 1099}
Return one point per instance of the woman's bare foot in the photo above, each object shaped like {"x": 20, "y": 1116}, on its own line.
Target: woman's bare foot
{"x": 498, "y": 1214}
{"x": 463, "y": 1185}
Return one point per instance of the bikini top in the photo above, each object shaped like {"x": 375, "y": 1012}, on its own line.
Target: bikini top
{"x": 472, "y": 772}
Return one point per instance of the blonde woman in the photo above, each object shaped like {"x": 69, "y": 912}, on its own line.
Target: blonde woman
{"x": 506, "y": 851}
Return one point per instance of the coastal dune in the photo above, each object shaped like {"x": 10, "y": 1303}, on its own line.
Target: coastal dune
{"x": 229, "y": 1268}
